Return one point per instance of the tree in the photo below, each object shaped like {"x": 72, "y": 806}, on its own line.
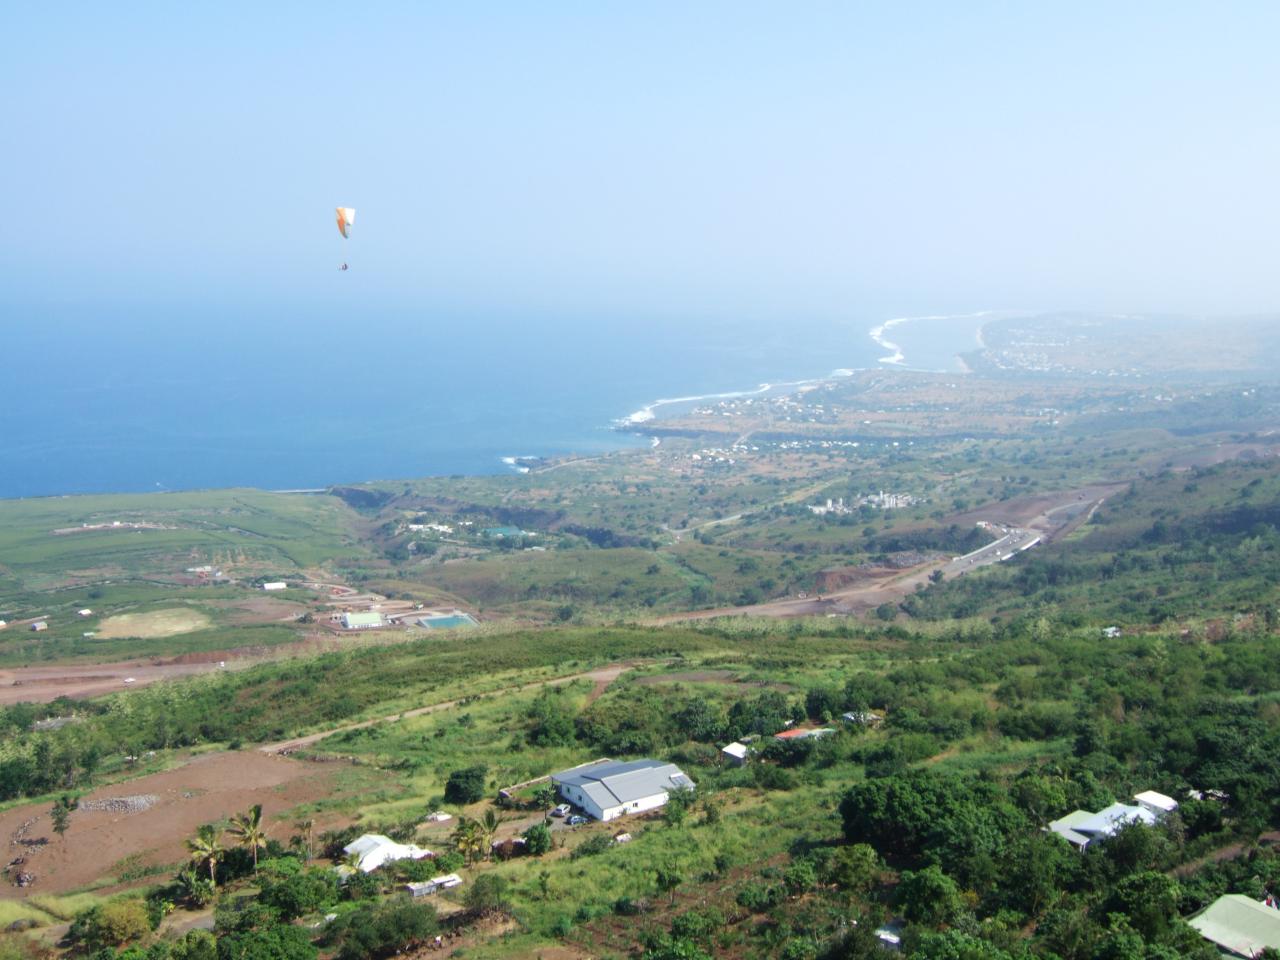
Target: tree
{"x": 282, "y": 942}
{"x": 488, "y": 894}
{"x": 306, "y": 833}
{"x": 929, "y": 896}
{"x": 489, "y": 825}
{"x": 248, "y": 828}
{"x": 545, "y": 798}
{"x": 196, "y": 945}
{"x": 466, "y": 785}
{"x": 206, "y": 848}
{"x": 822, "y": 703}
{"x": 700, "y": 720}
{"x": 855, "y": 868}
{"x": 537, "y": 840}
{"x": 1150, "y": 901}
{"x": 60, "y": 814}
{"x": 668, "y": 878}
{"x": 800, "y": 877}
{"x": 297, "y": 894}
{"x": 886, "y": 612}
{"x": 551, "y": 723}
{"x": 113, "y": 924}
{"x": 468, "y": 838}
{"x": 383, "y": 930}
{"x": 954, "y": 945}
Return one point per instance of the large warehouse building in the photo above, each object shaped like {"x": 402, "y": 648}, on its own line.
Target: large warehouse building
{"x": 610, "y": 788}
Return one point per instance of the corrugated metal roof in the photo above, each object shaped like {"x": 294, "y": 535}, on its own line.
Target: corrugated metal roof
{"x": 612, "y": 783}
{"x": 1238, "y": 924}
{"x": 1112, "y": 818}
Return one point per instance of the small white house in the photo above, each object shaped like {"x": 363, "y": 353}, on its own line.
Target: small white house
{"x": 39, "y": 625}
{"x": 736, "y": 753}
{"x": 275, "y": 585}
{"x": 439, "y": 817}
{"x": 1157, "y": 803}
{"x": 373, "y": 850}
{"x": 608, "y": 788}
{"x": 369, "y": 620}
{"x": 3, "y": 624}
{"x": 86, "y": 612}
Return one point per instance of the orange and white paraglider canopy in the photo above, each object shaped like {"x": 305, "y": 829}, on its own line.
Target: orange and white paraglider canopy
{"x": 346, "y": 218}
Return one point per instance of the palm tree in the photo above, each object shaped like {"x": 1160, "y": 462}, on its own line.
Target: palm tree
{"x": 545, "y": 797}
{"x": 248, "y": 827}
{"x": 468, "y": 837}
{"x": 206, "y": 847}
{"x": 488, "y": 829}
{"x": 306, "y": 830}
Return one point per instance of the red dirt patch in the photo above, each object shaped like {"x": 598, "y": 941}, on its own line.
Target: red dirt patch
{"x": 206, "y": 789}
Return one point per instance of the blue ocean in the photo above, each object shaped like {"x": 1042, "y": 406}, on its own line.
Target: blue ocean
{"x": 113, "y": 403}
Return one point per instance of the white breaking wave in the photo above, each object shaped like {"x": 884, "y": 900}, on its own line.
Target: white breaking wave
{"x": 877, "y": 333}
{"x": 896, "y": 355}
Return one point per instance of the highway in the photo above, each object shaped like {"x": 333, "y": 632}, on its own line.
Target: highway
{"x": 1013, "y": 540}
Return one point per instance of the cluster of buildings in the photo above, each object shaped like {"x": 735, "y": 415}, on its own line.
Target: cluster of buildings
{"x": 879, "y": 500}
{"x": 1081, "y": 828}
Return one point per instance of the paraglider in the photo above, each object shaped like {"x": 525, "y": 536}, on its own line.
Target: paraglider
{"x": 346, "y": 219}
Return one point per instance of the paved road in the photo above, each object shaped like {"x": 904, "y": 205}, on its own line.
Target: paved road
{"x": 1012, "y": 542}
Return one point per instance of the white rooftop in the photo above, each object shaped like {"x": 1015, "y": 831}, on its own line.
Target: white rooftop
{"x": 1110, "y": 819}
{"x": 372, "y": 850}
{"x": 736, "y": 750}
{"x": 1158, "y": 801}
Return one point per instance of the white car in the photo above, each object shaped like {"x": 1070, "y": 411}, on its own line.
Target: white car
{"x": 130, "y": 680}
{"x": 561, "y": 811}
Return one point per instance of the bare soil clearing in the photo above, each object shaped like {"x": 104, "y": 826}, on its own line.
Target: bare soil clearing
{"x": 81, "y": 680}
{"x": 206, "y": 789}
{"x": 43, "y": 684}
{"x": 152, "y": 625}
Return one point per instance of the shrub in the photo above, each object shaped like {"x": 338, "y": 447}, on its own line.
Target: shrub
{"x": 597, "y": 843}
{"x": 111, "y": 924}
{"x": 488, "y": 894}
{"x": 448, "y": 862}
{"x": 537, "y": 840}
{"x": 758, "y": 897}
{"x": 466, "y": 785}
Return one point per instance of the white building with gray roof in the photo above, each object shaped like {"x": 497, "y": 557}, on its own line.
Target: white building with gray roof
{"x": 1080, "y": 827}
{"x": 607, "y": 789}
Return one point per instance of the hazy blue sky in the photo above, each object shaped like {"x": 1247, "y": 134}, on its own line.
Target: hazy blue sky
{"x": 609, "y": 160}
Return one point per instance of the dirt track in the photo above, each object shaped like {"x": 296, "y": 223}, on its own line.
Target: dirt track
{"x": 600, "y": 675}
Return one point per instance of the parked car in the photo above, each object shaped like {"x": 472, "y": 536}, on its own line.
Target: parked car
{"x": 561, "y": 811}
{"x": 576, "y": 820}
